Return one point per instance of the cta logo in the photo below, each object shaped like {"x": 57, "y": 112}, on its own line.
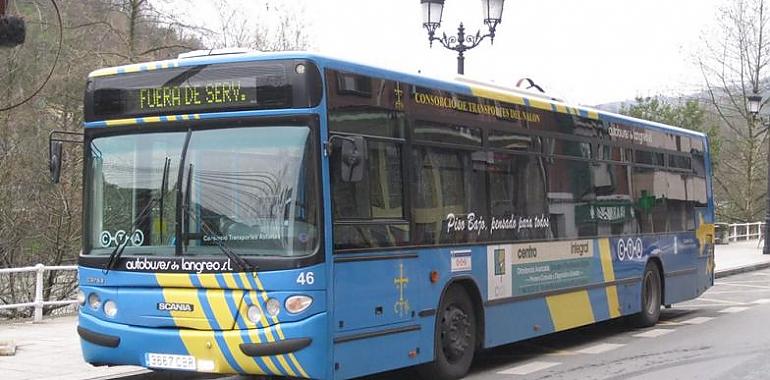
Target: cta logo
{"x": 172, "y": 306}
{"x": 630, "y": 249}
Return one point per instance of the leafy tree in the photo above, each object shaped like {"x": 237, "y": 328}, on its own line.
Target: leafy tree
{"x": 734, "y": 61}
{"x": 683, "y": 113}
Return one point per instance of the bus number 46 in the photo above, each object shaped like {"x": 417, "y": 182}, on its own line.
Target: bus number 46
{"x": 306, "y": 278}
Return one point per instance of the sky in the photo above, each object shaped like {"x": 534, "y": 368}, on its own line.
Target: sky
{"x": 588, "y": 52}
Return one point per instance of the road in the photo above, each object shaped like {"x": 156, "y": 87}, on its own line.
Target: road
{"x": 724, "y": 334}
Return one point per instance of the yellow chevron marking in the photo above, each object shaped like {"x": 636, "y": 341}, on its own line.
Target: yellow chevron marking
{"x": 208, "y": 280}
{"x": 609, "y": 275}
{"x": 193, "y": 340}
{"x": 561, "y": 108}
{"x": 171, "y": 293}
{"x": 230, "y": 280}
{"x": 593, "y": 115}
{"x": 570, "y": 310}
{"x": 174, "y": 280}
{"x": 278, "y": 330}
{"x": 268, "y": 361}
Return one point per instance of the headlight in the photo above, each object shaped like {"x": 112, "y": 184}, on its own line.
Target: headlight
{"x": 273, "y": 307}
{"x": 81, "y": 298}
{"x": 298, "y": 304}
{"x": 254, "y": 314}
{"x": 94, "y": 301}
{"x": 110, "y": 308}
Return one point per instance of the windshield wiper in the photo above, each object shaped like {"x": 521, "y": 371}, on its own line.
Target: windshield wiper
{"x": 163, "y": 190}
{"x": 240, "y": 261}
{"x": 118, "y": 251}
{"x": 180, "y": 202}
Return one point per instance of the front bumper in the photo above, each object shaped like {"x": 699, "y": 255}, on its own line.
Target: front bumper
{"x": 296, "y": 349}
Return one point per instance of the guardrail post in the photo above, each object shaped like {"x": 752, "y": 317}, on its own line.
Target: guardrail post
{"x": 39, "y": 270}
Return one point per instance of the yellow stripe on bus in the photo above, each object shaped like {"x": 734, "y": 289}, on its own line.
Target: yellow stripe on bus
{"x": 496, "y": 95}
{"x": 208, "y": 351}
{"x": 192, "y": 339}
{"x": 268, "y": 361}
{"x": 539, "y": 104}
{"x": 120, "y": 122}
{"x": 609, "y": 276}
{"x": 278, "y": 330}
{"x": 570, "y": 310}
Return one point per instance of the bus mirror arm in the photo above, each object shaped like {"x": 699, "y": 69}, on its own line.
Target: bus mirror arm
{"x": 56, "y": 139}
{"x": 354, "y": 154}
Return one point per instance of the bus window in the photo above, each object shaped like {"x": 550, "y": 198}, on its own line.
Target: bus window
{"x": 379, "y": 196}
{"x": 447, "y": 134}
{"x": 448, "y": 188}
{"x": 512, "y": 141}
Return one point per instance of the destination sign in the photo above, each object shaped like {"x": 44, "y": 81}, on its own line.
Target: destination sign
{"x": 221, "y": 87}
{"x": 223, "y": 93}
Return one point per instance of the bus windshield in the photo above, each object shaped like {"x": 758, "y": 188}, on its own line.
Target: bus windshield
{"x": 252, "y": 190}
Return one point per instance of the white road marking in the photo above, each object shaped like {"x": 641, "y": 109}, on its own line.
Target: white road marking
{"x": 528, "y": 368}
{"x": 734, "y": 309}
{"x": 744, "y": 285}
{"x": 669, "y": 323}
{"x": 741, "y": 291}
{"x": 697, "y": 320}
{"x": 719, "y": 301}
{"x": 762, "y": 301}
{"x": 653, "y": 333}
{"x": 600, "y": 348}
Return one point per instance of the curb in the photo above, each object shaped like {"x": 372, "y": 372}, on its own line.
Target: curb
{"x": 741, "y": 269}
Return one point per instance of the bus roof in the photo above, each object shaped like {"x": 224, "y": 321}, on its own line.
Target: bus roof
{"x": 464, "y": 87}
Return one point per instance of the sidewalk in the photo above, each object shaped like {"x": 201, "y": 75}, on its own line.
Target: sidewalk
{"x": 739, "y": 257}
{"x": 51, "y": 350}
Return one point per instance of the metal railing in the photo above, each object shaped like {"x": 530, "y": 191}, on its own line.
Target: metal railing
{"x": 745, "y": 231}
{"x": 38, "y": 303}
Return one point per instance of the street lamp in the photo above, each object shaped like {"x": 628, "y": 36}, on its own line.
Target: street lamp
{"x": 432, "y": 10}
{"x": 755, "y": 103}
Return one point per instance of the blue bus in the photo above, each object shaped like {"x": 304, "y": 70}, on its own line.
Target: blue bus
{"x": 294, "y": 215}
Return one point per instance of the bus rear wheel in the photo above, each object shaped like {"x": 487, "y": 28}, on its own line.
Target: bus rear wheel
{"x": 651, "y": 297}
{"x": 455, "y": 337}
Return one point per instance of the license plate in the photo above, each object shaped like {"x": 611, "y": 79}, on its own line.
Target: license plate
{"x": 169, "y": 361}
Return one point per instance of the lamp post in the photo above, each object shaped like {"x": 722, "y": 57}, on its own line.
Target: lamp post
{"x": 755, "y": 103}
{"x": 432, "y": 10}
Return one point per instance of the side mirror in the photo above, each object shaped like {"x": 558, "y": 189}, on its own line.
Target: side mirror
{"x": 55, "y": 160}
{"x": 353, "y": 160}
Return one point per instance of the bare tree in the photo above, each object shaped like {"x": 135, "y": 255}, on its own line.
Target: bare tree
{"x": 734, "y": 64}
{"x": 41, "y": 222}
{"x": 274, "y": 27}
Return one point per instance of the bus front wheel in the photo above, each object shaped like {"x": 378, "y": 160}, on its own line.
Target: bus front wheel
{"x": 651, "y": 297}
{"x": 455, "y": 337}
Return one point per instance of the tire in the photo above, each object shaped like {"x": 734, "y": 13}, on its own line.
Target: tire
{"x": 454, "y": 341}
{"x": 651, "y": 297}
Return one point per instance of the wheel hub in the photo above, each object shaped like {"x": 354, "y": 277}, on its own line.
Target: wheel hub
{"x": 455, "y": 333}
